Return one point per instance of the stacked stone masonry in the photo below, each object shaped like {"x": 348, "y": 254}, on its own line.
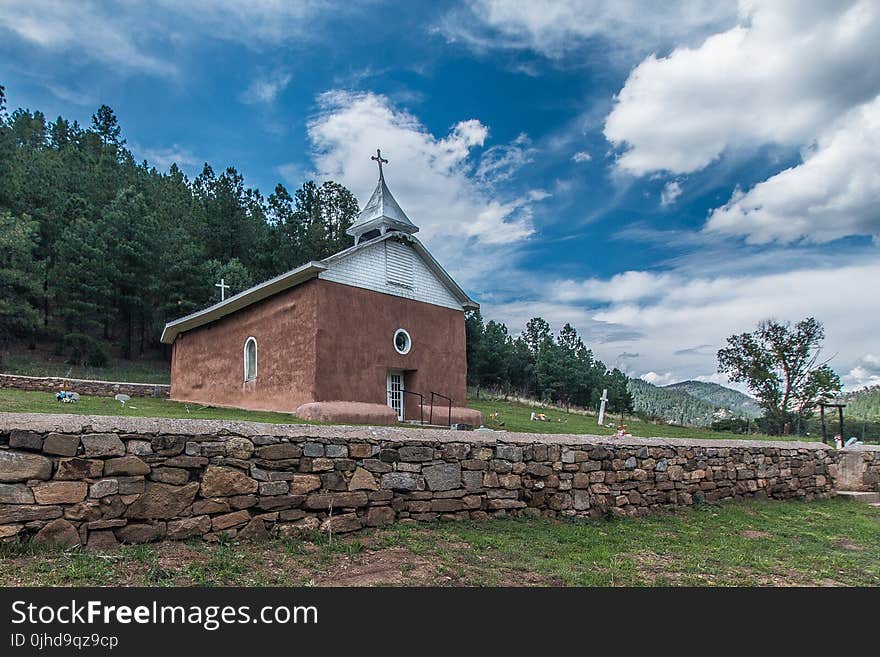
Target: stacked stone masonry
{"x": 102, "y": 481}
{"x": 857, "y": 469}
{"x": 83, "y": 387}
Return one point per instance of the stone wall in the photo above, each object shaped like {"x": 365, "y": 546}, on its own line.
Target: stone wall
{"x": 857, "y": 468}
{"x": 99, "y": 481}
{"x": 83, "y": 386}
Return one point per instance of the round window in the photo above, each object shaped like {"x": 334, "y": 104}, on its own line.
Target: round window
{"x": 402, "y": 342}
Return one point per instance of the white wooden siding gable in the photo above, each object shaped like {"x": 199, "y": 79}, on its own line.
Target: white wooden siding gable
{"x": 391, "y": 267}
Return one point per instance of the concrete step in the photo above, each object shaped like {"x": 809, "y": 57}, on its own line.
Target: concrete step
{"x": 867, "y": 497}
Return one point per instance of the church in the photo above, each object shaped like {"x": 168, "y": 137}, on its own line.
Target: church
{"x": 373, "y": 334}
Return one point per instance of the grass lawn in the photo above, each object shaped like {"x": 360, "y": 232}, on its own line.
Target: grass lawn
{"x": 514, "y": 416}
{"x": 45, "y": 364}
{"x": 794, "y": 543}
{"x": 25, "y": 401}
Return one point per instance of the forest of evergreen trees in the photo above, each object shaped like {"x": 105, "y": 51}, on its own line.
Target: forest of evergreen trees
{"x": 99, "y": 251}
{"x": 660, "y": 403}
{"x": 539, "y": 365}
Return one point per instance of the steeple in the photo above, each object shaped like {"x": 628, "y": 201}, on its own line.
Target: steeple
{"x": 381, "y": 213}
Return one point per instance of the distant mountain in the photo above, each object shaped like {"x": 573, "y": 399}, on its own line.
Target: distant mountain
{"x": 691, "y": 402}
{"x": 739, "y": 404}
{"x": 670, "y": 404}
{"x": 863, "y": 404}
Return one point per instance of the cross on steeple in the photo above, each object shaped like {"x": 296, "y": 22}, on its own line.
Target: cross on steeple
{"x": 378, "y": 159}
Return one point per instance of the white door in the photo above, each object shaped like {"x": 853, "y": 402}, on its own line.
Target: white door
{"x": 395, "y": 392}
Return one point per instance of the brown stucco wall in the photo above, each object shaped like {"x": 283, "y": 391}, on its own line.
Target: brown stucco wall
{"x": 323, "y": 341}
{"x": 355, "y": 349}
{"x": 207, "y": 364}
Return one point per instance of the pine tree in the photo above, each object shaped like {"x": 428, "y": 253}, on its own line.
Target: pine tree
{"x": 338, "y": 208}
{"x": 131, "y": 238}
{"x": 495, "y": 355}
{"x": 7, "y": 149}
{"x": 20, "y": 279}
{"x": 81, "y": 284}
{"x": 106, "y": 126}
{"x": 286, "y": 230}
{"x": 473, "y": 328}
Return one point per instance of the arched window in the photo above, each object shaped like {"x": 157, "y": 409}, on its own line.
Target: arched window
{"x": 250, "y": 359}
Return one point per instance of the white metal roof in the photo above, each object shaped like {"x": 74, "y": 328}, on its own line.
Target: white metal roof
{"x": 382, "y": 210}
{"x": 241, "y": 300}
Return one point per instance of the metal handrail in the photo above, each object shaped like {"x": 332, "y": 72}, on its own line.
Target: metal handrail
{"x": 449, "y": 399}
{"x": 421, "y": 405}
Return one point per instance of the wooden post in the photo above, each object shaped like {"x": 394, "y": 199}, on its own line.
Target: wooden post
{"x": 840, "y": 417}
{"x": 822, "y": 417}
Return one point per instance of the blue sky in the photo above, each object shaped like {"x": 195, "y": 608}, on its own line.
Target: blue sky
{"x": 661, "y": 175}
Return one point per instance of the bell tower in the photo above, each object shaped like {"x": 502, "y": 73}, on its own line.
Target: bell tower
{"x": 381, "y": 213}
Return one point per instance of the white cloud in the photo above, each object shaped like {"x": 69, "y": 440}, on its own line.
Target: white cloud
{"x": 671, "y": 191}
{"x": 676, "y": 320}
{"x": 581, "y": 156}
{"x": 88, "y": 29}
{"x": 722, "y": 380}
{"x": 866, "y": 372}
{"x": 859, "y": 377}
{"x": 626, "y": 286}
{"x": 144, "y": 36}
{"x": 835, "y": 191}
{"x": 264, "y": 89}
{"x": 658, "y": 379}
{"x": 706, "y": 311}
{"x": 72, "y": 95}
{"x": 781, "y": 76}
{"x": 515, "y": 314}
{"x": 474, "y": 229}
{"x": 500, "y": 163}
{"x": 255, "y": 22}
{"x": 555, "y": 28}
{"x": 163, "y": 157}
{"x": 431, "y": 177}
{"x": 714, "y": 377}
{"x": 293, "y": 173}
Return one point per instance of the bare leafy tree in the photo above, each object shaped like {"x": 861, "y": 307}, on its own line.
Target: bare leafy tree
{"x": 780, "y": 364}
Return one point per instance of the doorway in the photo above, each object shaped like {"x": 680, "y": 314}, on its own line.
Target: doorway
{"x": 395, "y": 392}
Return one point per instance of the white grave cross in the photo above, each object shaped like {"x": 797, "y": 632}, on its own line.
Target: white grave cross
{"x": 223, "y": 287}
{"x": 603, "y": 399}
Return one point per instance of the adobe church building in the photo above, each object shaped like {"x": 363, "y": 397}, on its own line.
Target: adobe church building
{"x": 355, "y": 337}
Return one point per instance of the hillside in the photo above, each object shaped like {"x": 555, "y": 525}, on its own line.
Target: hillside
{"x": 690, "y": 402}
{"x": 669, "y": 404}
{"x": 507, "y": 415}
{"x": 741, "y": 405}
{"x": 863, "y": 404}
